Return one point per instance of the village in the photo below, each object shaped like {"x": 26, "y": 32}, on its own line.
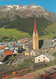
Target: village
{"x": 37, "y": 52}
{"x": 13, "y": 48}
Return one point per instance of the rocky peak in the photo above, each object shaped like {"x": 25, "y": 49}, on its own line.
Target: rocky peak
{"x": 27, "y": 11}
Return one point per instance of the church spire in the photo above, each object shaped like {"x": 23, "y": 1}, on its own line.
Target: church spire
{"x": 35, "y": 37}
{"x": 35, "y": 28}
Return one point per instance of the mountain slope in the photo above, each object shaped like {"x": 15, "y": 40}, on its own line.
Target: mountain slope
{"x": 51, "y": 28}
{"x": 27, "y": 25}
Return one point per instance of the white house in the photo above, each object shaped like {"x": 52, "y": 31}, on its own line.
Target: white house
{"x": 44, "y": 58}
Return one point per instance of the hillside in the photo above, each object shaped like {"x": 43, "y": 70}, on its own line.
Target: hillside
{"x": 10, "y": 34}
{"x": 27, "y": 24}
{"x": 51, "y": 28}
{"x": 44, "y": 27}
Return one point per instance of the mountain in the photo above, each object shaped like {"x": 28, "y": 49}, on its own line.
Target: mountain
{"x": 32, "y": 10}
{"x": 22, "y": 17}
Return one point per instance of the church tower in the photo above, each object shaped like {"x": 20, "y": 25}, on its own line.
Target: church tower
{"x": 35, "y": 37}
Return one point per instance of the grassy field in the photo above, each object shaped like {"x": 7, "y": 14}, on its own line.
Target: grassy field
{"x": 9, "y": 34}
{"x": 25, "y": 64}
{"x": 50, "y": 64}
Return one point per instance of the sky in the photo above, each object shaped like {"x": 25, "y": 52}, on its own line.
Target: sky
{"x": 49, "y": 5}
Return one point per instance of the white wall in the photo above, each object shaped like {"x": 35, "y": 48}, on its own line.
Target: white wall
{"x": 32, "y": 53}
{"x": 41, "y": 58}
{"x": 1, "y": 62}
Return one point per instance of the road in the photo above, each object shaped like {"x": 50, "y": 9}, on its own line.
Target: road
{"x": 36, "y": 73}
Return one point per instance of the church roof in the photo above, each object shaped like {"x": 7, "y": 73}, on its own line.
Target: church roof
{"x": 43, "y": 44}
{"x": 35, "y": 29}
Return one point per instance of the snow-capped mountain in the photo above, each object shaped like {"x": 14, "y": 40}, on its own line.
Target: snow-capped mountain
{"x": 27, "y": 11}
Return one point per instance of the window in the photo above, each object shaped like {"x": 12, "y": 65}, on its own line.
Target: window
{"x": 43, "y": 57}
{"x": 38, "y": 59}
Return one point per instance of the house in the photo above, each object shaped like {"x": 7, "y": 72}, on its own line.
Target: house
{"x": 26, "y": 53}
{"x": 13, "y": 43}
{"x": 44, "y": 58}
{"x": 34, "y": 52}
{"x": 6, "y": 49}
{"x": 25, "y": 40}
{"x": 10, "y": 47}
{"x": 2, "y": 47}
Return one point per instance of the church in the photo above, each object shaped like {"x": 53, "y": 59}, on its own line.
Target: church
{"x": 41, "y": 50}
{"x": 35, "y": 37}
{"x": 40, "y": 46}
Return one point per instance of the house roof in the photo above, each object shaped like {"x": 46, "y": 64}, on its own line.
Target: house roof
{"x": 10, "y": 46}
{"x": 47, "y": 44}
{"x": 8, "y": 53}
{"x": 3, "y": 46}
{"x": 35, "y": 29}
{"x": 18, "y": 44}
{"x": 6, "y": 48}
{"x": 13, "y": 43}
{"x": 2, "y": 58}
{"x": 51, "y": 57}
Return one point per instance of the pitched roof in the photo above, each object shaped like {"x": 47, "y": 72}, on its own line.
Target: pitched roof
{"x": 2, "y": 47}
{"x": 35, "y": 29}
{"x": 8, "y": 53}
{"x": 6, "y": 48}
{"x": 13, "y": 43}
{"x": 2, "y": 58}
{"x": 47, "y": 44}
{"x": 43, "y": 44}
{"x": 51, "y": 57}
